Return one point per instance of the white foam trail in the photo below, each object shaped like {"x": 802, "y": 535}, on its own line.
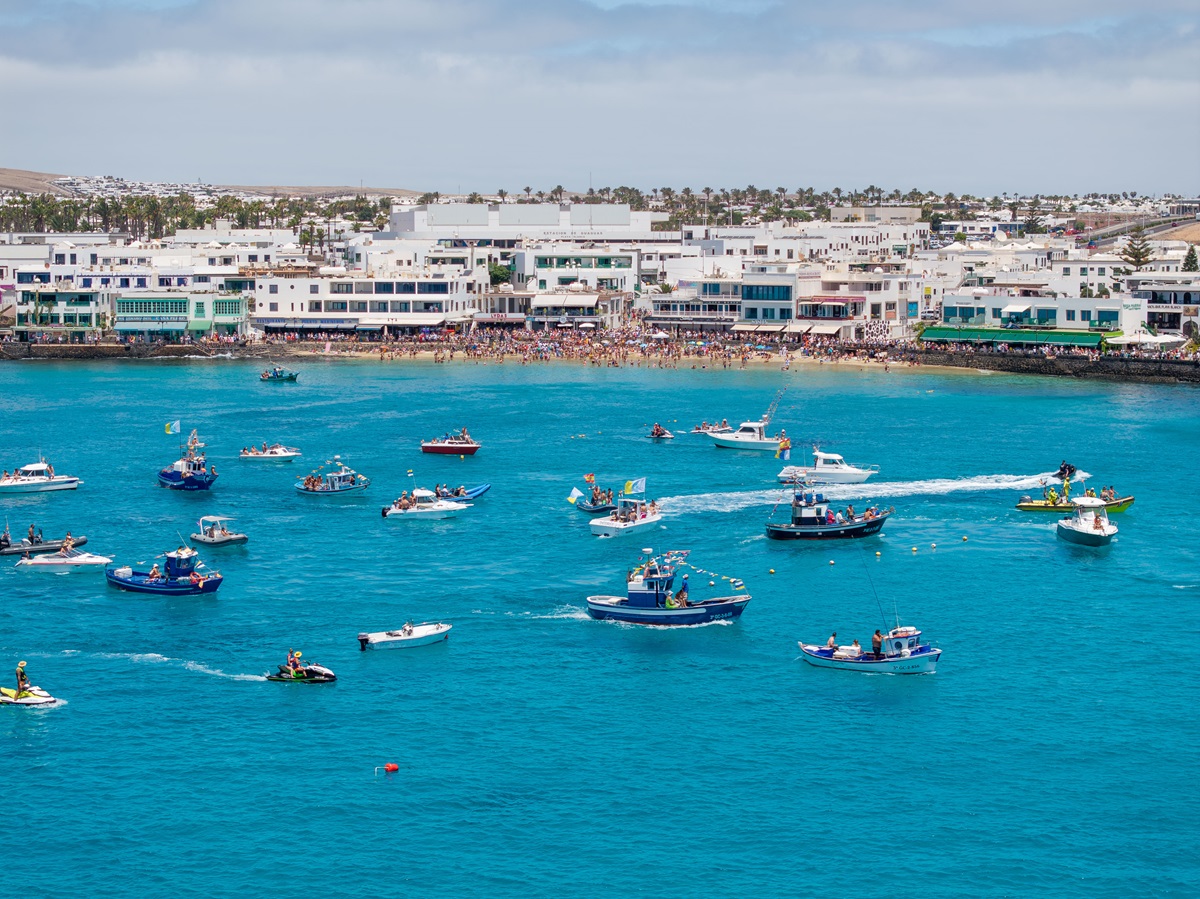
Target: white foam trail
{"x": 569, "y": 613}
{"x": 217, "y": 672}
{"x": 732, "y": 502}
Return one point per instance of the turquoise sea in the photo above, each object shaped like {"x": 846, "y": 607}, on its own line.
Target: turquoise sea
{"x": 545, "y": 754}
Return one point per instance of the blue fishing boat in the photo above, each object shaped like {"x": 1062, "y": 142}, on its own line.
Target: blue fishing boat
{"x": 277, "y": 374}
{"x": 178, "y": 577}
{"x": 191, "y": 472}
{"x": 338, "y": 481}
{"x": 813, "y": 519}
{"x": 902, "y": 651}
{"x": 651, "y": 598}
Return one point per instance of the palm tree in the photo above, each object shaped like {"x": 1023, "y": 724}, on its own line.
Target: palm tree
{"x": 502, "y": 193}
{"x": 528, "y": 191}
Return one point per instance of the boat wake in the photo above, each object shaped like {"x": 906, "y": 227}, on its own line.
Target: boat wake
{"x": 568, "y": 613}
{"x": 155, "y": 658}
{"x": 732, "y": 502}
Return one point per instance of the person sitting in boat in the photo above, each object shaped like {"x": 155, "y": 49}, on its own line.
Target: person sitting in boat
{"x": 1052, "y": 496}
{"x": 724, "y": 422}
{"x": 1091, "y": 491}
{"x": 830, "y": 518}
{"x": 22, "y": 680}
{"x": 465, "y": 436}
{"x": 832, "y": 643}
{"x": 68, "y": 544}
{"x": 854, "y": 648}
{"x": 408, "y": 625}
{"x": 1097, "y": 523}
{"x": 154, "y": 574}
{"x": 461, "y": 491}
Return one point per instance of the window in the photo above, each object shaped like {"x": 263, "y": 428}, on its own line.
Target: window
{"x": 433, "y": 287}
{"x": 1066, "y": 270}
{"x": 314, "y": 305}
{"x": 233, "y": 307}
{"x": 314, "y": 288}
{"x": 411, "y": 287}
{"x": 141, "y": 282}
{"x": 87, "y": 282}
{"x": 1083, "y": 271}
{"x": 164, "y": 282}
{"x": 752, "y": 312}
{"x": 60, "y": 258}
{"x": 364, "y": 286}
{"x": 152, "y": 307}
{"x": 341, "y": 288}
{"x": 203, "y": 279}
{"x": 768, "y": 313}
{"x": 399, "y": 306}
{"x": 273, "y": 307}
{"x": 1070, "y": 315}
{"x": 379, "y": 305}
{"x": 358, "y": 306}
{"x": 94, "y": 257}
{"x": 385, "y": 287}
{"x": 767, "y": 292}
{"x": 335, "y": 306}
{"x": 199, "y": 309}
{"x": 253, "y": 257}
{"x": 274, "y": 288}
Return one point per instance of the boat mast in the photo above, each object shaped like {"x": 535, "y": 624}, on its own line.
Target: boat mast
{"x": 774, "y": 405}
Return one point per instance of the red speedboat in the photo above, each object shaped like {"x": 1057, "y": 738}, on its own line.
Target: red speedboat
{"x": 451, "y": 445}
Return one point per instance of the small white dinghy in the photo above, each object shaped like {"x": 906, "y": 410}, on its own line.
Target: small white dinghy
{"x": 63, "y": 560}
{"x": 31, "y": 696}
{"x": 214, "y": 533}
{"x": 409, "y": 635}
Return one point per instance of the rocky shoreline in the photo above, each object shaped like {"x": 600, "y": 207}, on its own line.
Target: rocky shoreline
{"x": 1112, "y": 368}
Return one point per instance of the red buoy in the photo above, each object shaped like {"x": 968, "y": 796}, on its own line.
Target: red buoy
{"x": 391, "y": 767}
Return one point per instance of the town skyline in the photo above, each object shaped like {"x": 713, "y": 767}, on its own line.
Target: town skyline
{"x": 471, "y": 95}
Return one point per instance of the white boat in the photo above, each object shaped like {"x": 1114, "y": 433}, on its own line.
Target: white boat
{"x": 63, "y": 560}
{"x": 214, "y": 533}
{"x": 38, "y": 477}
{"x": 424, "y": 504}
{"x": 902, "y": 652}
{"x": 31, "y": 696}
{"x": 1088, "y": 525}
{"x": 276, "y": 452}
{"x": 751, "y": 435}
{"x": 827, "y": 468}
{"x": 632, "y": 514}
{"x": 410, "y": 635}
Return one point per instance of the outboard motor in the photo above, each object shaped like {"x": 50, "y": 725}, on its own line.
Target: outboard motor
{"x": 363, "y": 640}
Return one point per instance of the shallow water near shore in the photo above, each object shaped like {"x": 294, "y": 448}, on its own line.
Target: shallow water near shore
{"x": 542, "y": 753}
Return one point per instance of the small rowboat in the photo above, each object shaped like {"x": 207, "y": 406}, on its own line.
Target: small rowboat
{"x": 408, "y": 636}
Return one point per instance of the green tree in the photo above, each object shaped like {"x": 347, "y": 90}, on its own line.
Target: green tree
{"x": 500, "y": 274}
{"x": 1190, "y": 263}
{"x": 1137, "y": 251}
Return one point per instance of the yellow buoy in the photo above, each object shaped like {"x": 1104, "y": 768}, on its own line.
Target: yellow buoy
{"x": 933, "y": 546}
{"x": 831, "y": 561}
{"x": 772, "y": 571}
{"x": 878, "y": 554}
{"x": 914, "y": 549}
{"x": 964, "y": 539}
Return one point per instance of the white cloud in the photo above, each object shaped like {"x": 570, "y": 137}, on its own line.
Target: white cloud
{"x": 481, "y": 93}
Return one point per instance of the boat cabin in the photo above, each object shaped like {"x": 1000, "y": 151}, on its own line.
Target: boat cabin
{"x": 181, "y": 562}
{"x": 36, "y": 470}
{"x": 191, "y": 466}
{"x": 751, "y": 430}
{"x": 901, "y": 641}
{"x": 811, "y": 510}
{"x": 649, "y": 586}
{"x": 1091, "y": 513}
{"x": 828, "y": 462}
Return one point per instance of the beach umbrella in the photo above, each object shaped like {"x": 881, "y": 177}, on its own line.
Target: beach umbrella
{"x": 659, "y": 335}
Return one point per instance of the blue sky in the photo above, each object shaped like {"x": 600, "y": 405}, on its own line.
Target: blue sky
{"x": 446, "y": 95}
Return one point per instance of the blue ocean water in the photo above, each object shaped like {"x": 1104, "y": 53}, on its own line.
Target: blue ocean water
{"x": 542, "y": 753}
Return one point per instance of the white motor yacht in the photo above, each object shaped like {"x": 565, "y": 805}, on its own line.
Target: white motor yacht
{"x": 632, "y": 514}
{"x": 38, "y": 477}
{"x": 827, "y": 468}
{"x": 424, "y": 504}
{"x": 63, "y": 560}
{"x": 276, "y": 452}
{"x": 751, "y": 435}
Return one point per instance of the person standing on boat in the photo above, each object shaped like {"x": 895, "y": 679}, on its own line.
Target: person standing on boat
{"x": 877, "y": 644}
{"x": 22, "y": 680}
{"x": 681, "y": 595}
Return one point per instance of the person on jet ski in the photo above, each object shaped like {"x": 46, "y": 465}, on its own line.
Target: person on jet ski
{"x": 22, "y": 680}
{"x": 293, "y": 664}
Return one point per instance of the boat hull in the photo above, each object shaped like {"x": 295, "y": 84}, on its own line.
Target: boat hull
{"x": 268, "y": 457}
{"x": 470, "y": 494}
{"x": 63, "y": 563}
{"x": 32, "y": 696}
{"x": 46, "y": 546}
{"x": 728, "y": 441}
{"x": 450, "y": 449}
{"x": 1085, "y": 538}
{"x": 450, "y": 511}
{"x": 139, "y": 582}
{"x": 228, "y": 540}
{"x": 818, "y": 476}
{"x": 606, "y": 527}
{"x": 47, "y": 486}
{"x": 357, "y": 488}
{"x": 279, "y": 379}
{"x": 595, "y": 510}
{"x": 422, "y": 635}
{"x": 853, "y": 530}
{"x": 1040, "y": 505}
{"x": 172, "y": 480}
{"x": 614, "y": 608}
{"x": 923, "y": 661}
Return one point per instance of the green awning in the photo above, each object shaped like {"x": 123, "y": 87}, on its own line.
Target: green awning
{"x": 199, "y": 324}
{"x": 1011, "y": 336}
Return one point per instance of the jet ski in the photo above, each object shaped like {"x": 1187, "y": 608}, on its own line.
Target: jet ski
{"x": 1066, "y": 470}
{"x": 309, "y": 674}
{"x": 32, "y": 696}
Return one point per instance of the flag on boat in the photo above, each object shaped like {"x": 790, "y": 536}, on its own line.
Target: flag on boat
{"x": 589, "y": 479}
{"x": 637, "y": 486}
{"x": 576, "y": 493}
{"x": 173, "y": 427}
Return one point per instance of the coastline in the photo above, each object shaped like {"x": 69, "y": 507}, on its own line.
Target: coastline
{"x": 1110, "y": 368}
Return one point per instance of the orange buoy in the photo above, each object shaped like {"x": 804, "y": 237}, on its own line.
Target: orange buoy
{"x": 391, "y": 767}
